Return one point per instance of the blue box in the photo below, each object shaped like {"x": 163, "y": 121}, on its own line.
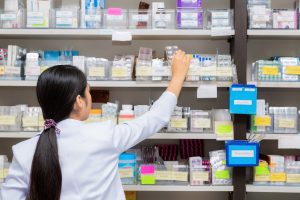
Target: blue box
{"x": 241, "y": 153}
{"x": 243, "y": 99}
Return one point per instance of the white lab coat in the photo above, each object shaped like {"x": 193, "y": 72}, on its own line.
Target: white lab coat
{"x": 88, "y": 155}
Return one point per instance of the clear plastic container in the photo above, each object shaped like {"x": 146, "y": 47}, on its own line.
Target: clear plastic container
{"x": 163, "y": 19}
{"x": 140, "y": 19}
{"x": 143, "y": 68}
{"x": 40, "y": 19}
{"x": 260, "y": 17}
{"x": 284, "y": 19}
{"x": 122, "y": 68}
{"x": 178, "y": 122}
{"x": 161, "y": 70}
{"x": 208, "y": 71}
{"x": 30, "y": 119}
{"x": 194, "y": 70}
{"x": 126, "y": 114}
{"x": 97, "y": 69}
{"x": 292, "y": 169}
{"x": 127, "y": 168}
{"x": 180, "y": 174}
{"x": 219, "y": 18}
{"x": 11, "y": 118}
{"x": 267, "y": 71}
{"x": 262, "y": 129}
{"x": 115, "y": 18}
{"x": 93, "y": 19}
{"x": 221, "y": 175}
{"x": 66, "y": 18}
{"x": 10, "y": 72}
{"x": 285, "y": 119}
{"x": 290, "y": 65}
{"x": 261, "y": 174}
{"x": 201, "y": 121}
{"x": 277, "y": 170}
{"x": 189, "y": 18}
{"x": 95, "y": 116}
{"x": 32, "y": 66}
{"x": 225, "y": 68}
{"x": 12, "y": 19}
{"x": 109, "y": 112}
{"x": 200, "y": 171}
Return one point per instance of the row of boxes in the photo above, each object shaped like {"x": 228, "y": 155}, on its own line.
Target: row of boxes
{"x": 279, "y": 69}
{"x": 199, "y": 171}
{"x": 277, "y": 170}
{"x": 117, "y": 18}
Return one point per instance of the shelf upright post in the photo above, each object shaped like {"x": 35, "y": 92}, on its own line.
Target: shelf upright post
{"x": 238, "y": 50}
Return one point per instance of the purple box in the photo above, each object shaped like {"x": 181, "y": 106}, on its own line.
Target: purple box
{"x": 189, "y": 18}
{"x": 189, "y": 3}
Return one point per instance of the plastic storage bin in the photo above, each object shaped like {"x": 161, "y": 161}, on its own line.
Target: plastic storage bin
{"x": 208, "y": 71}
{"x": 42, "y": 19}
{"x": 292, "y": 169}
{"x": 143, "y": 68}
{"x": 10, "y": 19}
{"x": 115, "y": 18}
{"x": 189, "y": 18}
{"x": 140, "y": 19}
{"x": 221, "y": 175}
{"x": 66, "y": 18}
{"x": 194, "y": 70}
{"x": 285, "y": 119}
{"x": 122, "y": 68}
{"x": 161, "y": 70}
{"x": 201, "y": 121}
{"x": 30, "y": 119}
{"x": 10, "y": 72}
{"x": 127, "y": 168}
{"x": 97, "y": 69}
{"x": 225, "y": 68}
{"x": 178, "y": 122}
{"x": 93, "y": 19}
{"x": 260, "y": 17}
{"x": 219, "y": 18}
{"x": 200, "y": 172}
{"x": 11, "y": 118}
{"x": 284, "y": 19}
{"x": 163, "y": 19}
{"x": 267, "y": 71}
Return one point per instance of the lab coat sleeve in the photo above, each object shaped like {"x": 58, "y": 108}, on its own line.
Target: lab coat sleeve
{"x": 131, "y": 133}
{"x": 15, "y": 185}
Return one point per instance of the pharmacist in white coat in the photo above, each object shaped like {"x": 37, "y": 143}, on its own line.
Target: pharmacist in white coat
{"x": 71, "y": 160}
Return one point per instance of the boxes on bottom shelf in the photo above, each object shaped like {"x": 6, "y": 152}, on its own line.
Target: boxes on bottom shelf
{"x": 277, "y": 170}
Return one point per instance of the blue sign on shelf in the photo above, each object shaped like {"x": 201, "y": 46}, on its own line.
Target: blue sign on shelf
{"x": 243, "y": 99}
{"x": 242, "y": 154}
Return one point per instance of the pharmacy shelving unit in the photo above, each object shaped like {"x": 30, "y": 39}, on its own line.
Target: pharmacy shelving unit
{"x": 274, "y": 34}
{"x": 98, "y": 43}
{"x": 274, "y": 136}
{"x": 276, "y": 84}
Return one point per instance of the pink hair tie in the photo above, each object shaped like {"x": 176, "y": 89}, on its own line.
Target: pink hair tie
{"x": 49, "y": 123}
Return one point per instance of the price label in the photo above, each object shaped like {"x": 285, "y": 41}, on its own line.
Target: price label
{"x": 293, "y": 70}
{"x": 33, "y": 71}
{"x": 30, "y": 121}
{"x": 224, "y": 71}
{"x": 208, "y": 71}
{"x": 126, "y": 173}
{"x": 2, "y": 70}
{"x": 194, "y": 71}
{"x": 278, "y": 177}
{"x": 270, "y": 70}
{"x": 222, "y": 174}
{"x": 64, "y": 14}
{"x": 261, "y": 178}
{"x": 178, "y": 123}
{"x": 8, "y": 120}
{"x": 119, "y": 72}
{"x": 201, "y": 123}
{"x": 262, "y": 170}
{"x": 96, "y": 71}
{"x": 224, "y": 130}
{"x": 163, "y": 175}
{"x": 200, "y": 176}
{"x": 15, "y": 71}
{"x": 262, "y": 121}
{"x": 293, "y": 178}
{"x": 93, "y": 18}
{"x": 9, "y": 17}
{"x": 140, "y": 18}
{"x": 286, "y": 123}
{"x": 180, "y": 176}
{"x": 144, "y": 71}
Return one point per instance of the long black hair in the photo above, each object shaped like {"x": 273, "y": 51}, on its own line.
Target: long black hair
{"x": 57, "y": 90}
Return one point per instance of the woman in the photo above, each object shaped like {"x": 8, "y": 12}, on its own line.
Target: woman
{"x": 71, "y": 160}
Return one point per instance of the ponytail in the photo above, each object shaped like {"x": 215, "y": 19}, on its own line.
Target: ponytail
{"x": 46, "y": 177}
